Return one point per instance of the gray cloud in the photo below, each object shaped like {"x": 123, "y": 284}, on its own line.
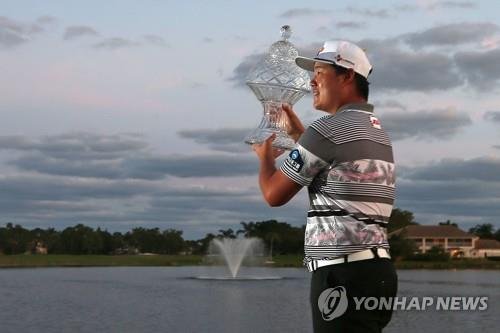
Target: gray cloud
{"x": 451, "y": 34}
{"x": 77, "y": 31}
{"x": 14, "y": 33}
{"x": 425, "y": 125}
{"x": 155, "y": 40}
{"x": 391, "y": 104}
{"x": 395, "y": 69}
{"x": 493, "y": 116}
{"x": 405, "y": 8}
{"x": 464, "y": 191}
{"x": 300, "y": 12}
{"x": 241, "y": 71}
{"x": 223, "y": 139}
{"x": 350, "y": 25}
{"x": 377, "y": 13}
{"x": 481, "y": 69}
{"x": 122, "y": 157}
{"x": 450, "y": 170}
{"x": 78, "y": 145}
{"x": 457, "y": 189}
{"x": 399, "y": 69}
{"x": 190, "y": 166}
{"x": 46, "y": 20}
{"x": 114, "y": 43}
{"x": 452, "y": 5}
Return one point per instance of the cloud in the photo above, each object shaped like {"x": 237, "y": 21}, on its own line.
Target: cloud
{"x": 78, "y": 145}
{"x": 396, "y": 69}
{"x": 451, "y": 34}
{"x": 78, "y": 31}
{"x": 222, "y": 139}
{"x": 121, "y": 156}
{"x": 155, "y": 40}
{"x": 480, "y": 69}
{"x": 215, "y": 165}
{"x": 493, "y": 116}
{"x": 377, "y": 13}
{"x": 114, "y": 43}
{"x": 459, "y": 189}
{"x": 115, "y": 180}
{"x": 390, "y": 103}
{"x": 14, "y": 33}
{"x": 46, "y": 20}
{"x": 450, "y": 170}
{"x": 241, "y": 71}
{"x": 301, "y": 12}
{"x": 425, "y": 125}
{"x": 349, "y": 25}
{"x": 451, "y": 5}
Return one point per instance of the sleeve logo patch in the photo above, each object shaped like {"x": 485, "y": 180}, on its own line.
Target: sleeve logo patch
{"x": 295, "y": 160}
{"x": 375, "y": 122}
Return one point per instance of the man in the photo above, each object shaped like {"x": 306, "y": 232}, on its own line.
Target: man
{"x": 345, "y": 159}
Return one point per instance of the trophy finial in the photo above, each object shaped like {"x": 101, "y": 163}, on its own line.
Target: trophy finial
{"x": 286, "y": 32}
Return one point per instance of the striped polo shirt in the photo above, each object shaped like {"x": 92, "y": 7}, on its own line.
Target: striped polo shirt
{"x": 346, "y": 161}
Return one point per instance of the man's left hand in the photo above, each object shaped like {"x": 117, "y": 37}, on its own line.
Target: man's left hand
{"x": 266, "y": 151}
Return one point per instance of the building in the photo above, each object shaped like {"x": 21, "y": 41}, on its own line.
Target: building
{"x": 40, "y": 248}
{"x": 452, "y": 239}
{"x": 486, "y": 248}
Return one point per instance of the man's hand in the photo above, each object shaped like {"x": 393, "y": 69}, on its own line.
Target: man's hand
{"x": 294, "y": 125}
{"x": 265, "y": 151}
{"x": 276, "y": 188}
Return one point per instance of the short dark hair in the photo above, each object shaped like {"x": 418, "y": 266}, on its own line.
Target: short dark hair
{"x": 362, "y": 84}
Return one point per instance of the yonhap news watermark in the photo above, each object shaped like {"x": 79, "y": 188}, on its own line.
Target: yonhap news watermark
{"x": 333, "y": 303}
{"x": 438, "y": 303}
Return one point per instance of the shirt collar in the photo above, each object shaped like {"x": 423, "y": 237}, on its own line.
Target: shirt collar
{"x": 367, "y": 107}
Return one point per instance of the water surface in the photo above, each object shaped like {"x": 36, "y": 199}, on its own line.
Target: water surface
{"x": 168, "y": 299}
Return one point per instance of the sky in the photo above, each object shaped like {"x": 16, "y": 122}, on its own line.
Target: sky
{"x": 125, "y": 114}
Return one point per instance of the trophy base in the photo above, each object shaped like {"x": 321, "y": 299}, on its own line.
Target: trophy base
{"x": 282, "y": 140}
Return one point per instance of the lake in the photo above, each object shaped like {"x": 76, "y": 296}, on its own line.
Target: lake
{"x": 168, "y": 299}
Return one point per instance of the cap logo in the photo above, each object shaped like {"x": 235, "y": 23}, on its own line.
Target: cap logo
{"x": 320, "y": 50}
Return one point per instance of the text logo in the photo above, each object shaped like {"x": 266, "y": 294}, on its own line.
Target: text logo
{"x": 332, "y": 303}
{"x": 295, "y": 160}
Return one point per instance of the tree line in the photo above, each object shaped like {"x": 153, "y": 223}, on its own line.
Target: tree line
{"x": 282, "y": 237}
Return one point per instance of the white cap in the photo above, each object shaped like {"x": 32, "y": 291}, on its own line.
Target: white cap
{"x": 340, "y": 53}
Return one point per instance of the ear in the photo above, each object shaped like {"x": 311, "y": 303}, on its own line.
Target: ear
{"x": 349, "y": 76}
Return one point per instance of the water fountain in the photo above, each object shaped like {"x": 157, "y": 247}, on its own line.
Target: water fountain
{"x": 233, "y": 252}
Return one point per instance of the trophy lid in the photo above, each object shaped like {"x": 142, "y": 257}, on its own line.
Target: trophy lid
{"x": 278, "y": 67}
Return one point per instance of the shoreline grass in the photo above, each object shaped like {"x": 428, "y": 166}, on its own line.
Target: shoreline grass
{"x": 51, "y": 260}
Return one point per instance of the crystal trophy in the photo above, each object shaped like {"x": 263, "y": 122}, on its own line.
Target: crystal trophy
{"x": 275, "y": 80}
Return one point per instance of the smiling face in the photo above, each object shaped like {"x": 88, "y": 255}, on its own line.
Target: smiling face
{"x": 326, "y": 86}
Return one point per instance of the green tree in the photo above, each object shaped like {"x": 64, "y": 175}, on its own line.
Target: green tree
{"x": 401, "y": 247}
{"x": 400, "y": 219}
{"x": 229, "y": 233}
{"x": 485, "y": 231}
{"x": 286, "y": 239}
{"x": 448, "y": 222}
{"x": 173, "y": 241}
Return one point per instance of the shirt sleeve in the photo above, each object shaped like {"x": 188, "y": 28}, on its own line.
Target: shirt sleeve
{"x": 302, "y": 164}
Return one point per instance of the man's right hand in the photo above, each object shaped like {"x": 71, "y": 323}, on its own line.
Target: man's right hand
{"x": 294, "y": 126}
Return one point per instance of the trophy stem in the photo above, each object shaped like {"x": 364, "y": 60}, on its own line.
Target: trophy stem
{"x": 274, "y": 121}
